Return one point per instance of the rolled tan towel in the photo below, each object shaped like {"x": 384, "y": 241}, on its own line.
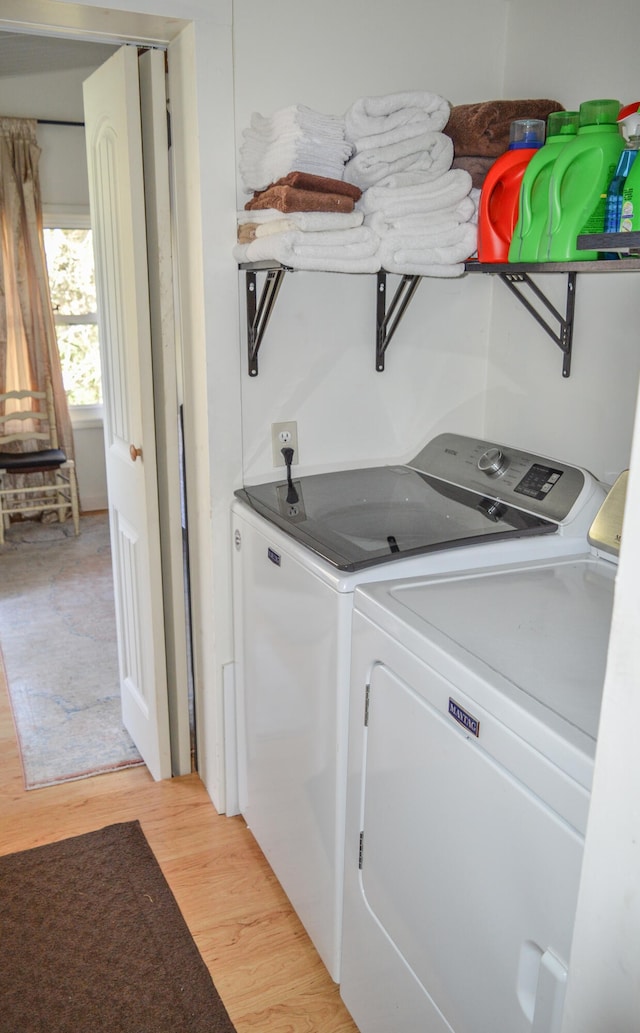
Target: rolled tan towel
{"x": 482, "y": 130}
{"x": 246, "y": 233}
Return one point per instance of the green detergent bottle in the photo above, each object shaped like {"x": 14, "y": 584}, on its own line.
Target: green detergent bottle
{"x": 580, "y": 177}
{"x": 533, "y": 218}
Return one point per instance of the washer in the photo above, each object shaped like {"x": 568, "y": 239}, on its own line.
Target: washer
{"x": 301, "y": 548}
{"x": 474, "y": 711}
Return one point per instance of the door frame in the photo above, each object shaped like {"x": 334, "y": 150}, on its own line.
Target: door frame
{"x": 177, "y": 36}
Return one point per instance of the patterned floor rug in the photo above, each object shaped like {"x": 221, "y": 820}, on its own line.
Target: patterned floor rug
{"x": 58, "y": 641}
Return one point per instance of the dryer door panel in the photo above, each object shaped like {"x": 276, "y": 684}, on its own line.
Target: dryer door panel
{"x": 473, "y": 878}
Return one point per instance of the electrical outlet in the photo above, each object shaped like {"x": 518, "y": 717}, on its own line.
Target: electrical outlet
{"x": 284, "y": 435}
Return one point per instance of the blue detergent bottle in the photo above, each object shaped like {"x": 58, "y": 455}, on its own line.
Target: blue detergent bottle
{"x": 629, "y": 123}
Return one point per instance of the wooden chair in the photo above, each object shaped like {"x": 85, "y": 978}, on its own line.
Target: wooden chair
{"x": 29, "y": 417}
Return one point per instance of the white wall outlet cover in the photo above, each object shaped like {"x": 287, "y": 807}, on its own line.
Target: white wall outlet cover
{"x": 284, "y": 435}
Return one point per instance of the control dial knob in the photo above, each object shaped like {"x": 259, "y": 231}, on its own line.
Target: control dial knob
{"x": 493, "y": 462}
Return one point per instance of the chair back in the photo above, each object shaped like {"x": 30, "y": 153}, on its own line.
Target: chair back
{"x": 27, "y": 420}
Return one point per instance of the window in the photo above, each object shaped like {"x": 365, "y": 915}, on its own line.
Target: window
{"x": 69, "y": 249}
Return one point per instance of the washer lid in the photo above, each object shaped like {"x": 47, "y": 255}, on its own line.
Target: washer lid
{"x": 361, "y": 518}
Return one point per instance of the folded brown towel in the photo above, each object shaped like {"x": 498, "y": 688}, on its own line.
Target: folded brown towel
{"x": 477, "y": 168}
{"x": 288, "y": 199}
{"x": 321, "y": 184}
{"x": 482, "y": 130}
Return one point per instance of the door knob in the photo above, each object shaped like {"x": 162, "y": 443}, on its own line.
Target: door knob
{"x": 134, "y": 452}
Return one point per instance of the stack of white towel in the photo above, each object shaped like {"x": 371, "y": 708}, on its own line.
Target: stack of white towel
{"x": 422, "y": 210}
{"x": 299, "y": 140}
{"x": 294, "y": 138}
{"x": 319, "y": 241}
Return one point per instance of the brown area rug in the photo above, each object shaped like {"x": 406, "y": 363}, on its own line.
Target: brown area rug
{"x": 92, "y": 941}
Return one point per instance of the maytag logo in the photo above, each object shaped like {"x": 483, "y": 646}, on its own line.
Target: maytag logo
{"x": 273, "y": 556}
{"x": 463, "y": 718}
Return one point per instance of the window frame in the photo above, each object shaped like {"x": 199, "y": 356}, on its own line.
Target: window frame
{"x": 74, "y": 217}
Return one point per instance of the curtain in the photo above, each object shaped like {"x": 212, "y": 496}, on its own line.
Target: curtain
{"x": 28, "y": 347}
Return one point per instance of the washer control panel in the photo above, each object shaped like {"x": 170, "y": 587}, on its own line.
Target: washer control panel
{"x": 545, "y": 487}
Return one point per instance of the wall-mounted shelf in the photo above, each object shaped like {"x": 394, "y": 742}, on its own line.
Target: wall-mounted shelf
{"x": 388, "y": 319}
{"x": 259, "y": 313}
{"x": 517, "y": 277}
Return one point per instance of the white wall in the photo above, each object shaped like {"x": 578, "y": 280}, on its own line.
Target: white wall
{"x": 317, "y": 358}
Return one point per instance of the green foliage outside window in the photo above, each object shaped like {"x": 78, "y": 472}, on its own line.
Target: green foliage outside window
{"x": 73, "y": 295}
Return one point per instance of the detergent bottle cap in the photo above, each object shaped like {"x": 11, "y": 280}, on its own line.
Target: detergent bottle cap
{"x": 562, "y": 123}
{"x": 526, "y": 132}
{"x": 629, "y": 121}
{"x": 599, "y": 112}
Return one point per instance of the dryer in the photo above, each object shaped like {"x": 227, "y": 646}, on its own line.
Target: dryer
{"x": 302, "y": 547}
{"x": 474, "y": 711}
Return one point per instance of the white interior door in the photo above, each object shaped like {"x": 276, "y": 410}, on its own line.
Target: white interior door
{"x": 166, "y": 393}
{"x": 116, "y": 190}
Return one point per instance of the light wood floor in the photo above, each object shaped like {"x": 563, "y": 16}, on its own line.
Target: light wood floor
{"x": 261, "y": 960}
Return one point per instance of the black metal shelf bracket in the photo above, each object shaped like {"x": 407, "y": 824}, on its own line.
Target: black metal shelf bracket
{"x": 387, "y": 320}
{"x": 563, "y": 336}
{"x": 259, "y": 313}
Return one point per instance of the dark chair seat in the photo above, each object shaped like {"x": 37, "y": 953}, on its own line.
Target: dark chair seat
{"x": 32, "y": 462}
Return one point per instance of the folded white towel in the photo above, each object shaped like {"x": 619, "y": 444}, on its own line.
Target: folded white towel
{"x": 419, "y": 223}
{"x": 446, "y": 190}
{"x": 332, "y": 264}
{"x": 261, "y": 168}
{"x": 293, "y": 139}
{"x": 392, "y": 137}
{"x": 367, "y": 264}
{"x": 310, "y": 222}
{"x": 434, "y": 269}
{"x": 451, "y": 248}
{"x": 254, "y": 147}
{"x": 258, "y": 215}
{"x": 334, "y": 250}
{"x": 459, "y": 235}
{"x": 298, "y": 117}
{"x": 475, "y": 197}
{"x": 464, "y": 211}
{"x": 371, "y": 115}
{"x": 438, "y": 146}
{"x": 430, "y": 153}
{"x": 408, "y": 178}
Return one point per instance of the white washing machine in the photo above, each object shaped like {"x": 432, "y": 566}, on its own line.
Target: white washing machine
{"x": 301, "y": 548}
{"x": 474, "y": 711}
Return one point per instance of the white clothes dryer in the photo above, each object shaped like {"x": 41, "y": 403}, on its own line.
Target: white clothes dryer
{"x": 301, "y": 548}
{"x": 474, "y": 711}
